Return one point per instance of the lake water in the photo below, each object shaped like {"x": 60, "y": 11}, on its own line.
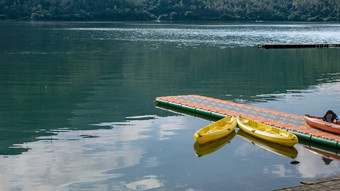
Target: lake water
{"x": 77, "y": 109}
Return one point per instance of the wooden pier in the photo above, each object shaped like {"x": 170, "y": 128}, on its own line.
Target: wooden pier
{"x": 220, "y": 108}
{"x": 272, "y": 46}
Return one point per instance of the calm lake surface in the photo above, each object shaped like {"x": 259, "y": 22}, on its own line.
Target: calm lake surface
{"x": 77, "y": 109}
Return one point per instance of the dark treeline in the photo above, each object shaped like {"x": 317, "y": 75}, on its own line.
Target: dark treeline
{"x": 171, "y": 10}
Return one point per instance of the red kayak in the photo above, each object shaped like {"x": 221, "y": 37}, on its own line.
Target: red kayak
{"x": 319, "y": 123}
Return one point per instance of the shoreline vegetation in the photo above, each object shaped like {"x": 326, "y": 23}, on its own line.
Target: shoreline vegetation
{"x": 170, "y": 10}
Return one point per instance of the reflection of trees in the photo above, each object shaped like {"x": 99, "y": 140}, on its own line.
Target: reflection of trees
{"x": 52, "y": 79}
{"x": 219, "y": 72}
{"x": 42, "y": 82}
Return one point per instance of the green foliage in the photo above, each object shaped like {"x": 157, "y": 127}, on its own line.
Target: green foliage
{"x": 171, "y": 10}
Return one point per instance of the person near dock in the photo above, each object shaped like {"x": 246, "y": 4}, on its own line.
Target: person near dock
{"x": 331, "y": 117}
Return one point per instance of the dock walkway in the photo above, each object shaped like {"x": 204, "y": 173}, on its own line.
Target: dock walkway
{"x": 220, "y": 108}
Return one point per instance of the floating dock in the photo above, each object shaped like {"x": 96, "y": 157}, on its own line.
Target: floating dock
{"x": 220, "y": 108}
{"x": 271, "y": 46}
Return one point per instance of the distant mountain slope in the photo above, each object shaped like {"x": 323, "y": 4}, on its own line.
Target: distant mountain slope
{"x": 171, "y": 10}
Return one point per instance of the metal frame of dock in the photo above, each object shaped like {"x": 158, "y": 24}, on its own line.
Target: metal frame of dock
{"x": 220, "y": 108}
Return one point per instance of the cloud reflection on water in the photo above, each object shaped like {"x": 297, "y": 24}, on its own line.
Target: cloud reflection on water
{"x": 122, "y": 158}
{"x": 279, "y": 170}
{"x": 166, "y": 130}
{"x": 97, "y": 159}
{"x": 148, "y": 182}
{"x": 68, "y": 159}
{"x": 312, "y": 165}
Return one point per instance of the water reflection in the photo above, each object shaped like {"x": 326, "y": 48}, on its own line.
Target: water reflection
{"x": 210, "y": 147}
{"x": 66, "y": 93}
{"x": 289, "y": 152}
{"x": 326, "y": 153}
{"x": 147, "y": 183}
{"x": 327, "y": 157}
{"x": 316, "y": 99}
{"x": 136, "y": 154}
{"x": 72, "y": 158}
{"x": 279, "y": 170}
{"x": 313, "y": 165}
{"x": 224, "y": 36}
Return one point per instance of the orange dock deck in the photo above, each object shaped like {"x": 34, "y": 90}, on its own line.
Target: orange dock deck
{"x": 221, "y": 108}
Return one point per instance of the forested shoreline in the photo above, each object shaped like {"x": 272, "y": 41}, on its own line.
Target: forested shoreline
{"x": 170, "y": 10}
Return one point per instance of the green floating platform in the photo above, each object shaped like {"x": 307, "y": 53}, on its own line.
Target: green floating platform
{"x": 208, "y": 106}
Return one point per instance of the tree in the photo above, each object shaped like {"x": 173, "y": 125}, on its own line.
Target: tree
{"x": 172, "y": 10}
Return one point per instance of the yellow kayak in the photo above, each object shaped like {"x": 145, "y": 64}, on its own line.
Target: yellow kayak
{"x": 267, "y": 132}
{"x": 216, "y": 130}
